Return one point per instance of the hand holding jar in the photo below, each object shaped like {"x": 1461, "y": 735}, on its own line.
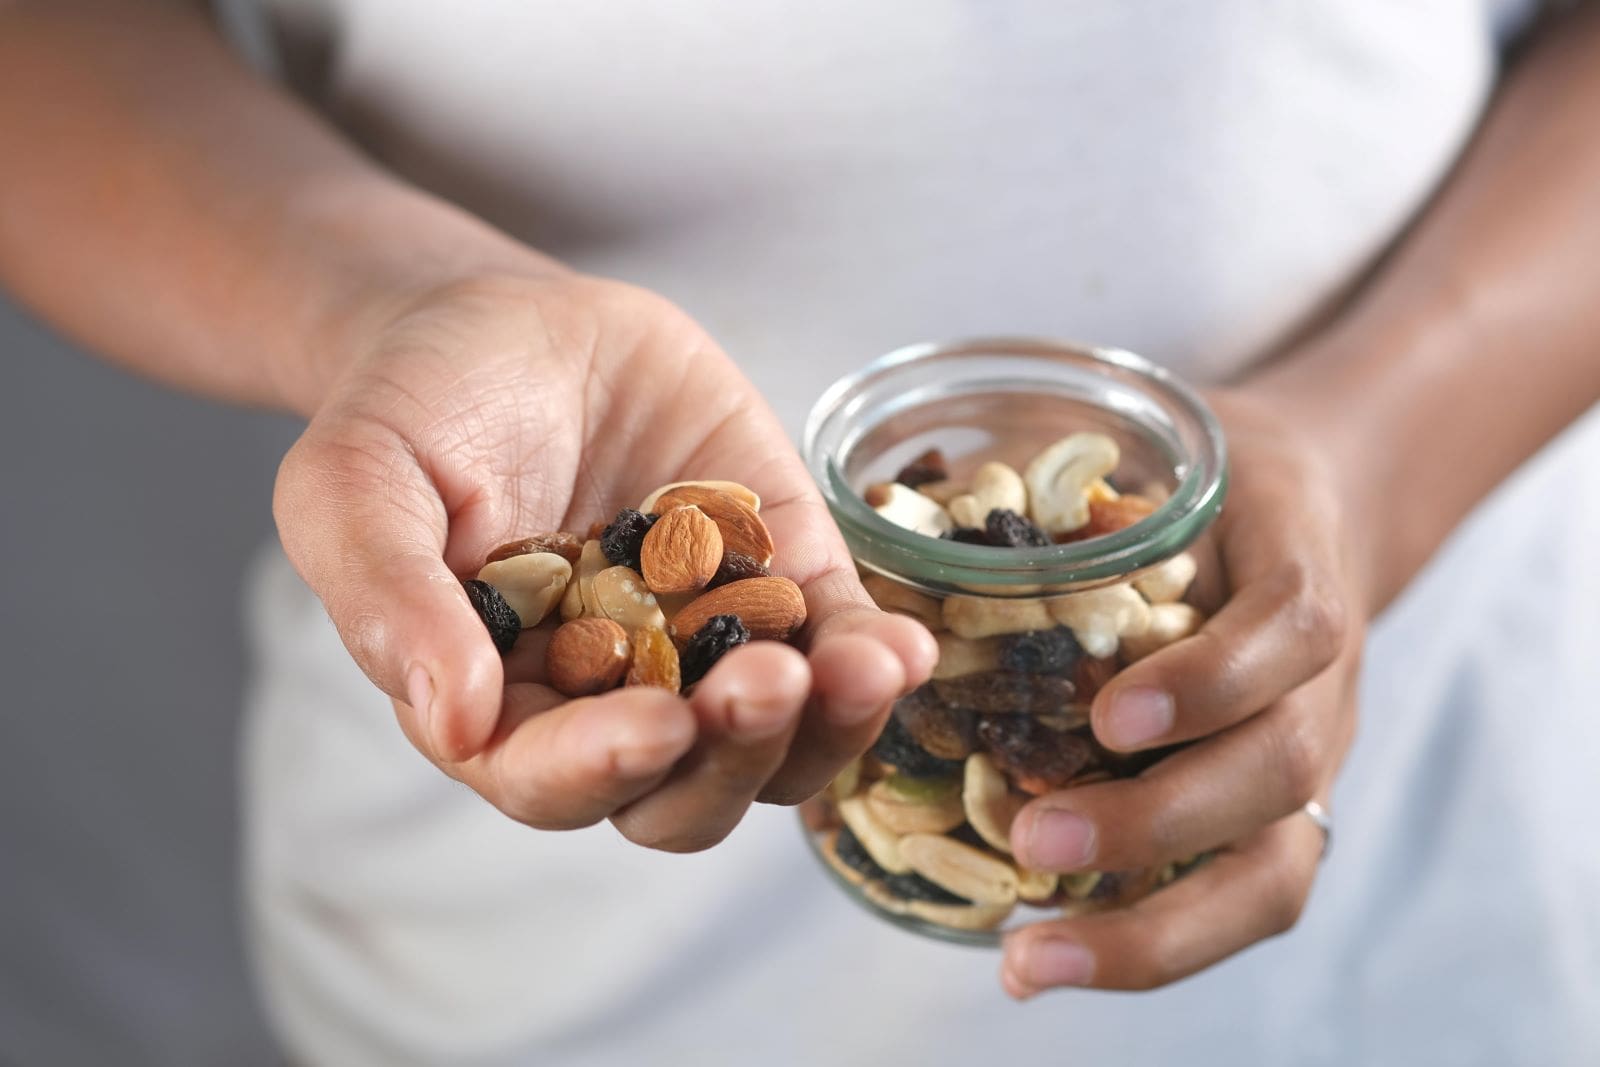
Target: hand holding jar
{"x": 1037, "y": 776}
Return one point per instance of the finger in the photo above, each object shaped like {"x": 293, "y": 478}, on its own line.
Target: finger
{"x": 1214, "y": 792}
{"x": 559, "y": 765}
{"x": 747, "y": 709}
{"x": 1241, "y": 896}
{"x": 855, "y": 680}
{"x": 366, "y": 529}
{"x": 1281, "y": 628}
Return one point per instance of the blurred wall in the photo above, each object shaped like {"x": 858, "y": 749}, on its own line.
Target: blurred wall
{"x": 127, "y": 516}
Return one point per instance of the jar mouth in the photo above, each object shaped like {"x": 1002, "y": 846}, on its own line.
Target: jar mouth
{"x": 1053, "y": 386}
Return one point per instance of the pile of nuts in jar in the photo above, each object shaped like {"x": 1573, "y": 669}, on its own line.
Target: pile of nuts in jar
{"x": 654, "y": 598}
{"x": 921, "y": 824}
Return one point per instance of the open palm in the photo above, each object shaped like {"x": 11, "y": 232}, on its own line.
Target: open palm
{"x": 499, "y": 408}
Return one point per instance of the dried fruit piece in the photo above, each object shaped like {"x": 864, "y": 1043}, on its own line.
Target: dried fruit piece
{"x": 898, "y": 749}
{"x": 1005, "y": 528}
{"x": 936, "y": 727}
{"x": 968, "y": 872}
{"x": 928, "y": 467}
{"x": 856, "y": 863}
{"x": 622, "y": 540}
{"x": 917, "y": 805}
{"x": 741, "y": 528}
{"x": 655, "y": 661}
{"x": 532, "y": 584}
{"x": 912, "y": 886}
{"x": 563, "y": 544}
{"x": 966, "y": 535}
{"x": 623, "y": 598}
{"x": 1091, "y": 674}
{"x": 1052, "y": 651}
{"x": 772, "y": 609}
{"x": 1006, "y": 692}
{"x": 1109, "y": 514}
{"x": 1036, "y": 758}
{"x": 710, "y": 642}
{"x": 681, "y": 552}
{"x": 498, "y": 616}
{"x": 586, "y": 656}
{"x": 736, "y": 567}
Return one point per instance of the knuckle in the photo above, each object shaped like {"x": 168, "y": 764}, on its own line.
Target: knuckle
{"x": 1296, "y": 752}
{"x": 1286, "y": 901}
{"x": 1317, "y": 609}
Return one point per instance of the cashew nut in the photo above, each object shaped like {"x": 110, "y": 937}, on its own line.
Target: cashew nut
{"x": 1168, "y": 581}
{"x": 906, "y": 507}
{"x": 965, "y": 655}
{"x": 960, "y": 916}
{"x": 944, "y": 490}
{"x": 995, "y": 485}
{"x": 532, "y": 584}
{"x": 898, "y": 599}
{"x": 988, "y": 801}
{"x": 1100, "y": 617}
{"x": 881, "y": 843}
{"x": 977, "y": 616}
{"x": 966, "y": 871}
{"x": 1168, "y": 623}
{"x": 1058, "y": 479}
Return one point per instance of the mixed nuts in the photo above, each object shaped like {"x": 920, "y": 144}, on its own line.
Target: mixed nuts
{"x": 653, "y": 598}
{"x": 921, "y": 824}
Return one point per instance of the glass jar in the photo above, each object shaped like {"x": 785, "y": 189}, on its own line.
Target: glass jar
{"x": 917, "y": 830}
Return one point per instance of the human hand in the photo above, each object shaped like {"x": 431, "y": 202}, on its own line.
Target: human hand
{"x": 1266, "y": 691}
{"x": 500, "y": 407}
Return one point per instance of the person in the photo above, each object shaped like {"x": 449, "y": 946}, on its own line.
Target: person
{"x": 1375, "y": 254}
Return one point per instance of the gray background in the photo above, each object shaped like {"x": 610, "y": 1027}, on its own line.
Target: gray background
{"x": 128, "y": 515}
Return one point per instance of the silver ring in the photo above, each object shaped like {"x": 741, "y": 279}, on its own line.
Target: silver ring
{"x": 1319, "y": 815}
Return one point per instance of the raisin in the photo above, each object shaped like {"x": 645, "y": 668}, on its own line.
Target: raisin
{"x": 1006, "y": 692}
{"x": 896, "y": 747}
{"x": 853, "y": 854}
{"x": 968, "y": 836}
{"x": 735, "y": 567}
{"x": 1036, "y": 758}
{"x": 622, "y": 539}
{"x": 913, "y": 886}
{"x": 1041, "y": 651}
{"x": 966, "y": 535}
{"x": 1091, "y": 674}
{"x": 928, "y": 467}
{"x": 497, "y": 615}
{"x": 655, "y": 660}
{"x": 567, "y": 546}
{"x": 1007, "y": 529}
{"x": 939, "y": 728}
{"x": 709, "y": 644}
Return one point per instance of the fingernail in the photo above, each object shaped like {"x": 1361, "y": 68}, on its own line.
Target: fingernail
{"x": 1055, "y": 962}
{"x": 1060, "y": 841}
{"x": 419, "y": 694}
{"x": 1138, "y": 716}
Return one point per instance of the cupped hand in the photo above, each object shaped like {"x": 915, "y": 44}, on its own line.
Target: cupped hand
{"x": 495, "y": 408}
{"x": 1266, "y": 691}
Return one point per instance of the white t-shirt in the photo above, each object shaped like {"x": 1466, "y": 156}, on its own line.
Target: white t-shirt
{"x": 816, "y": 184}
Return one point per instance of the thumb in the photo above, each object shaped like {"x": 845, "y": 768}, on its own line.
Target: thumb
{"x": 364, "y": 526}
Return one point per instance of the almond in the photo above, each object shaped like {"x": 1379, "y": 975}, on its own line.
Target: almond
{"x": 563, "y": 544}
{"x": 681, "y": 552}
{"x": 772, "y": 609}
{"x": 734, "y": 489}
{"x": 742, "y": 529}
{"x": 586, "y": 656}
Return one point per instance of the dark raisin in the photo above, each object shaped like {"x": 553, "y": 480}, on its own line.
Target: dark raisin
{"x": 897, "y": 748}
{"x": 1036, "y": 758}
{"x": 854, "y": 855}
{"x": 621, "y": 540}
{"x": 709, "y": 644}
{"x": 1006, "y": 692}
{"x": 497, "y": 615}
{"x": 928, "y": 467}
{"x": 966, "y": 535}
{"x": 1007, "y": 529}
{"x": 939, "y": 728}
{"x": 1091, "y": 675}
{"x": 912, "y": 886}
{"x": 968, "y": 836}
{"x": 1041, "y": 651}
{"x": 736, "y": 567}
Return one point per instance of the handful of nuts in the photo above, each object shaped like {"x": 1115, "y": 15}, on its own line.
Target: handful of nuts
{"x": 654, "y": 598}
{"x": 921, "y": 824}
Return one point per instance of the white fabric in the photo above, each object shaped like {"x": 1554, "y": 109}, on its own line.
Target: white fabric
{"x": 819, "y": 183}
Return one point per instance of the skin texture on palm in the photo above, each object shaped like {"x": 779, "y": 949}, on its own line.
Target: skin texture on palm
{"x": 504, "y": 406}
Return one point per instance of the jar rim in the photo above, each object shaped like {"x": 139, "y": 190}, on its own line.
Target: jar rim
{"x": 943, "y": 566}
